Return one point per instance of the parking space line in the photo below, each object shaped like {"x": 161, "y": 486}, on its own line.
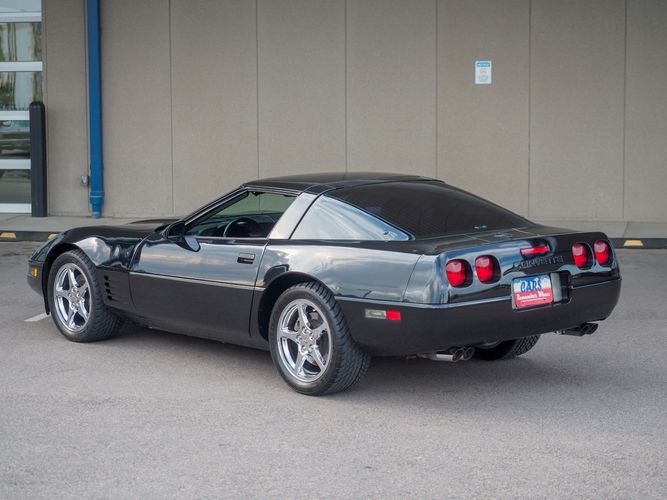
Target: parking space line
{"x": 39, "y": 317}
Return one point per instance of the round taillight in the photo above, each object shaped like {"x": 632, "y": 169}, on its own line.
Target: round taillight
{"x": 580, "y": 254}
{"x": 602, "y": 252}
{"x": 457, "y": 272}
{"x": 486, "y": 266}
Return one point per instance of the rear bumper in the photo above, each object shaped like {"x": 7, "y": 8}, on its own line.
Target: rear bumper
{"x": 429, "y": 328}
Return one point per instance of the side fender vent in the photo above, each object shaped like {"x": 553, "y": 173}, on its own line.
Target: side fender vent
{"x": 107, "y": 288}
{"x": 115, "y": 288}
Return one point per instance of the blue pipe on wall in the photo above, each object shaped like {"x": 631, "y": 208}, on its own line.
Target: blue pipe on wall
{"x": 95, "y": 108}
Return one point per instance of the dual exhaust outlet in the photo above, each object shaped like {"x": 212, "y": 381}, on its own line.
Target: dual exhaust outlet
{"x": 454, "y": 355}
{"x": 581, "y": 330}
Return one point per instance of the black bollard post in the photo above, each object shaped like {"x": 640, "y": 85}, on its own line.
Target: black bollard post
{"x": 38, "y": 159}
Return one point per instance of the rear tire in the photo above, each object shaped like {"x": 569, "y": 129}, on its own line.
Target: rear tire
{"x": 506, "y": 350}
{"x": 310, "y": 342}
{"x": 75, "y": 300}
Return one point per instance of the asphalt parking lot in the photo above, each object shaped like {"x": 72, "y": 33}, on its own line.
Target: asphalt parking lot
{"x": 153, "y": 415}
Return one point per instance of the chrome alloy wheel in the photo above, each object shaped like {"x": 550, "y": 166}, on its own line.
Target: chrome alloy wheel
{"x": 72, "y": 297}
{"x": 304, "y": 340}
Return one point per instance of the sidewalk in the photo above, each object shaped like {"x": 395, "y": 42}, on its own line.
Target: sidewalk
{"x": 646, "y": 235}
{"x": 22, "y": 227}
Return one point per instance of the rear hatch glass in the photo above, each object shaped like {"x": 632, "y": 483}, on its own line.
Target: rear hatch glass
{"x": 428, "y": 209}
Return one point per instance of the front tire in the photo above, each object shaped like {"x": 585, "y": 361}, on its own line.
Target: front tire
{"x": 75, "y": 300}
{"x": 310, "y": 342}
{"x": 506, "y": 350}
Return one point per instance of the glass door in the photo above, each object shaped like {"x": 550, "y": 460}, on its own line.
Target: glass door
{"x": 20, "y": 84}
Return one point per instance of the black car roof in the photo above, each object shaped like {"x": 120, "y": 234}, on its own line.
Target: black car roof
{"x": 319, "y": 183}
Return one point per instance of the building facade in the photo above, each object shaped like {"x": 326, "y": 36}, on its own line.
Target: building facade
{"x": 201, "y": 95}
{"x": 20, "y": 84}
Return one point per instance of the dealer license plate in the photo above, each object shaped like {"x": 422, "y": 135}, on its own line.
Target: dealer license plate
{"x": 532, "y": 291}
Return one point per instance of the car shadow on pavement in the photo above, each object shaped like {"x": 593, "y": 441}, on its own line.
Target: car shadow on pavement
{"x": 389, "y": 381}
{"x": 180, "y": 349}
{"x": 453, "y": 380}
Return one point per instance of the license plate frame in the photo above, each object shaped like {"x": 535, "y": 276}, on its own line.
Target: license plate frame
{"x": 532, "y": 291}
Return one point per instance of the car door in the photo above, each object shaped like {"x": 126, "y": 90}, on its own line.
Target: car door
{"x": 198, "y": 276}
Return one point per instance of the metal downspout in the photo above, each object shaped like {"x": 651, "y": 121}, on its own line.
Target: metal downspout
{"x": 95, "y": 108}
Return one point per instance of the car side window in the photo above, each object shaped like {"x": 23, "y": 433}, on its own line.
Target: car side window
{"x": 331, "y": 219}
{"x": 252, "y": 214}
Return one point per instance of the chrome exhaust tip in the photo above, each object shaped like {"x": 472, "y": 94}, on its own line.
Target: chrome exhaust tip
{"x": 581, "y": 330}
{"x": 468, "y": 353}
{"x": 454, "y": 355}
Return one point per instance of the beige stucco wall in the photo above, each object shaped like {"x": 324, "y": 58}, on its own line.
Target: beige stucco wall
{"x": 65, "y": 98}
{"x": 645, "y": 187}
{"x": 214, "y": 98}
{"x": 200, "y": 95}
{"x": 576, "y": 109}
{"x": 301, "y": 86}
{"x": 391, "y": 81}
{"x": 483, "y": 129}
{"x": 136, "y": 99}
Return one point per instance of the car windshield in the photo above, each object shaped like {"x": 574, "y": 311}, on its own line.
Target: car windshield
{"x": 429, "y": 208}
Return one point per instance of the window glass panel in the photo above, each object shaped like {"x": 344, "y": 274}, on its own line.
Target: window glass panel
{"x": 330, "y": 219}
{"x": 19, "y": 89}
{"x": 14, "y": 139}
{"x": 258, "y": 202}
{"x": 14, "y": 6}
{"x": 20, "y": 42}
{"x": 252, "y": 215}
{"x": 20, "y": 49}
{"x": 427, "y": 209}
{"x": 14, "y": 186}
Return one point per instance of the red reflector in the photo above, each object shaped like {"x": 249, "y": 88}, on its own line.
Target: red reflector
{"x": 602, "y": 252}
{"x": 394, "y": 315}
{"x": 539, "y": 250}
{"x": 580, "y": 254}
{"x": 486, "y": 268}
{"x": 457, "y": 272}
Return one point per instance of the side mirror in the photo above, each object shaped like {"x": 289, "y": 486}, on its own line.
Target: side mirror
{"x": 176, "y": 229}
{"x": 176, "y": 232}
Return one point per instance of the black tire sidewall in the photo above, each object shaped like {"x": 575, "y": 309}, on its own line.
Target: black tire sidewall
{"x": 496, "y": 352}
{"x": 507, "y": 349}
{"x": 95, "y": 298}
{"x": 325, "y": 381}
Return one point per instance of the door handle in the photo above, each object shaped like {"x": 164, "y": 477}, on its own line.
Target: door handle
{"x": 246, "y": 258}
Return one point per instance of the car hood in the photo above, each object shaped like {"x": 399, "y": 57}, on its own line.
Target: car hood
{"x": 133, "y": 230}
{"x": 104, "y": 244}
{"x": 156, "y": 224}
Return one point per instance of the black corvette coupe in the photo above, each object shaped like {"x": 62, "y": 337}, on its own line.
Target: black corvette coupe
{"x": 327, "y": 270}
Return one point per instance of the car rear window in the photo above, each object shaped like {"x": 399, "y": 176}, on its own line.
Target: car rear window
{"x": 428, "y": 208}
{"x": 330, "y": 219}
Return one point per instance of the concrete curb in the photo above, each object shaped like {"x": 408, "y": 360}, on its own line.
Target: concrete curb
{"x": 625, "y": 243}
{"x": 13, "y": 235}
{"x": 639, "y": 243}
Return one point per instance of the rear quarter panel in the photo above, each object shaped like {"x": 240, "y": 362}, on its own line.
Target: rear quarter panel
{"x": 348, "y": 269}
